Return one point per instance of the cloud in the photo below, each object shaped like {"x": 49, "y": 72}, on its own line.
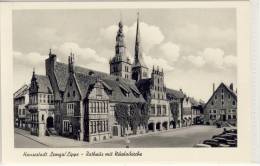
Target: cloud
{"x": 86, "y": 57}
{"x": 151, "y": 35}
{"x": 162, "y": 63}
{"x": 31, "y": 59}
{"x": 230, "y": 61}
{"x": 212, "y": 57}
{"x": 196, "y": 60}
{"x": 170, "y": 51}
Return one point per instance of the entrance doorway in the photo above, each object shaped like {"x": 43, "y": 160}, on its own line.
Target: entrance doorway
{"x": 50, "y": 122}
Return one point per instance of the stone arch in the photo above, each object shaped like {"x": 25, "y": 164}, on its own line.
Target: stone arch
{"x": 151, "y": 126}
{"x": 158, "y": 126}
{"x": 165, "y": 125}
{"x": 172, "y": 124}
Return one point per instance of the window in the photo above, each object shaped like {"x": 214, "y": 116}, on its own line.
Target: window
{"x": 66, "y": 124}
{"x": 70, "y": 109}
{"x": 159, "y": 110}
{"x": 229, "y": 116}
{"x": 74, "y": 93}
{"x": 91, "y": 127}
{"x": 229, "y": 96}
{"x": 214, "y": 111}
{"x": 42, "y": 117}
{"x": 68, "y": 95}
{"x": 234, "y": 117}
{"x": 212, "y": 102}
{"x": 152, "y": 110}
{"x": 216, "y": 97}
{"x": 164, "y": 110}
{"x": 234, "y": 103}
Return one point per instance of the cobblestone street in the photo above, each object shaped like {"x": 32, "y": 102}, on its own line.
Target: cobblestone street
{"x": 184, "y": 137}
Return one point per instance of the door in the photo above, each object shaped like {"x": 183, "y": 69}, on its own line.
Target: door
{"x": 50, "y": 122}
{"x": 115, "y": 130}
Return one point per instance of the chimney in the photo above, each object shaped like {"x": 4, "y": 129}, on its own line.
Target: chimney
{"x": 213, "y": 87}
{"x": 231, "y": 86}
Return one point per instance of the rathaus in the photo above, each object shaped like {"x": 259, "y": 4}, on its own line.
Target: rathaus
{"x": 73, "y": 101}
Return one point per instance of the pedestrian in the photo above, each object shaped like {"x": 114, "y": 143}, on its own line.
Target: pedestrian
{"x": 70, "y": 130}
{"x": 78, "y": 135}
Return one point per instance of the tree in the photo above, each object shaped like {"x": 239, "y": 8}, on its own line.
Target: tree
{"x": 145, "y": 114}
{"x": 135, "y": 116}
{"x": 139, "y": 115}
{"x": 174, "y": 108}
{"x": 122, "y": 116}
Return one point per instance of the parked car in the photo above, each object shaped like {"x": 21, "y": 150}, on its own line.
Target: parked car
{"x": 222, "y": 142}
{"x": 211, "y": 142}
{"x": 232, "y": 131}
{"x": 202, "y": 146}
{"x": 229, "y": 136}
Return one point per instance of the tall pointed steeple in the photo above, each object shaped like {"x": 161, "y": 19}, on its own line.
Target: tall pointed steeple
{"x": 138, "y": 47}
{"x": 139, "y": 68}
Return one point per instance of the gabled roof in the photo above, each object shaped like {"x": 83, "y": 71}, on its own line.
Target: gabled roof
{"x": 61, "y": 73}
{"x": 84, "y": 82}
{"x": 21, "y": 91}
{"x": 228, "y": 89}
{"x": 175, "y": 93}
{"x": 119, "y": 96}
{"x": 43, "y": 84}
{"x": 194, "y": 102}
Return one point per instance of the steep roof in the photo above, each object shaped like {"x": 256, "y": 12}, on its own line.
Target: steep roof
{"x": 228, "y": 89}
{"x": 117, "y": 87}
{"x": 175, "y": 93}
{"x": 43, "y": 84}
{"x": 61, "y": 73}
{"x": 84, "y": 82}
{"x": 21, "y": 91}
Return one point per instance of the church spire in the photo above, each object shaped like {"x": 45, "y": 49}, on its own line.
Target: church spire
{"x": 138, "y": 47}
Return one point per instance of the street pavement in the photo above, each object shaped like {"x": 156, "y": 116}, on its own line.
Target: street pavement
{"x": 183, "y": 137}
{"x": 21, "y": 141}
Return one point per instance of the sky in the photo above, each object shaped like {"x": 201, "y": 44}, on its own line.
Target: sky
{"x": 195, "y": 47}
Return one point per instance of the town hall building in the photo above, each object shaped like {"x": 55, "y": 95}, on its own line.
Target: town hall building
{"x": 77, "y": 102}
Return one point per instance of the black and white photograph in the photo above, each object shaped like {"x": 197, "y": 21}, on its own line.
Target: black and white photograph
{"x": 125, "y": 78}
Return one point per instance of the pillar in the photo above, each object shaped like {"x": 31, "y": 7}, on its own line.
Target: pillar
{"x": 81, "y": 135}
{"x": 154, "y": 127}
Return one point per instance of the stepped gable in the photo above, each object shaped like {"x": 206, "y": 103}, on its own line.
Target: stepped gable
{"x": 43, "y": 84}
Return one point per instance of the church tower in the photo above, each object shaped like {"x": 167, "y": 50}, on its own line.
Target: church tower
{"x": 139, "y": 68}
{"x": 120, "y": 64}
